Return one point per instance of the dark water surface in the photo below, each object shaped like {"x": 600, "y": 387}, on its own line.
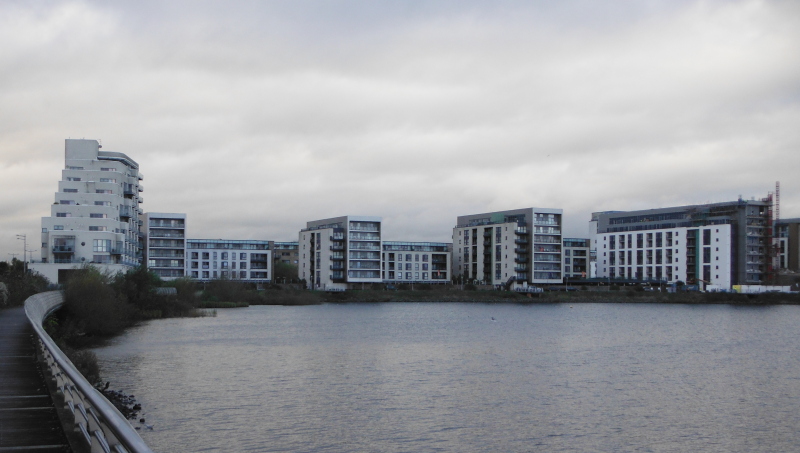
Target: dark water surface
{"x": 447, "y": 377}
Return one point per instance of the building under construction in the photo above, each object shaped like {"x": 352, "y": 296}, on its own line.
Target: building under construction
{"x": 751, "y": 230}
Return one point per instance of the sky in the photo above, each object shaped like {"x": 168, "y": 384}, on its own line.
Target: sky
{"x": 254, "y": 117}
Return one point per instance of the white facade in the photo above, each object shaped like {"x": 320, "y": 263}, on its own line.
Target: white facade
{"x": 241, "y": 260}
{"x": 340, "y": 251}
{"x": 517, "y": 248}
{"x": 95, "y": 215}
{"x": 416, "y": 262}
{"x": 693, "y": 255}
{"x": 165, "y": 244}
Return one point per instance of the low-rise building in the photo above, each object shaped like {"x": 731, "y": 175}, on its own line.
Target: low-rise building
{"x": 241, "y": 260}
{"x": 416, "y": 262}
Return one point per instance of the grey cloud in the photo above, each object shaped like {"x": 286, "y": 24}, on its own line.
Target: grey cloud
{"x": 256, "y": 117}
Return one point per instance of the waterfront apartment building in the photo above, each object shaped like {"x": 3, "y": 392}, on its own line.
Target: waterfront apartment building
{"x": 516, "y": 248}
{"x": 721, "y": 244}
{"x": 576, "y": 255}
{"x": 697, "y": 256}
{"x": 340, "y": 252}
{"x": 787, "y": 241}
{"x": 165, "y": 244}
{"x": 286, "y": 252}
{"x": 240, "y": 260}
{"x": 95, "y": 218}
{"x": 416, "y": 262}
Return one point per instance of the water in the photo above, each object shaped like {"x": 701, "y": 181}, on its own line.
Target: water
{"x": 447, "y": 377}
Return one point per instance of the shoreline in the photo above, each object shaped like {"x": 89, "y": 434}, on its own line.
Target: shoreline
{"x": 299, "y": 298}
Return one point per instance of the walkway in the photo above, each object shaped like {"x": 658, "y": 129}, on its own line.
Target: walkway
{"x": 28, "y": 419}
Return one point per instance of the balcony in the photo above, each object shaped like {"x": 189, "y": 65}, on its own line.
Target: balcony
{"x": 337, "y": 267}
{"x": 519, "y": 269}
{"x": 521, "y": 230}
{"x": 520, "y": 250}
{"x": 520, "y": 259}
{"x": 521, "y": 241}
{"x": 336, "y": 247}
{"x": 63, "y": 249}
{"x": 337, "y": 237}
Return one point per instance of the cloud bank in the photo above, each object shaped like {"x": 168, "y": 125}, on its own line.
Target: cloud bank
{"x": 255, "y": 117}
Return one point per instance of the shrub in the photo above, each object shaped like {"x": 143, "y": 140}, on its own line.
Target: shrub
{"x": 3, "y": 294}
{"x": 94, "y": 305}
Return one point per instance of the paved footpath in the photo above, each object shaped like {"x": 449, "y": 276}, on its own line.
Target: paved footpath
{"x": 28, "y": 419}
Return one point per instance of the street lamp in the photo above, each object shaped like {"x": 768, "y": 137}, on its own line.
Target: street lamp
{"x": 24, "y": 252}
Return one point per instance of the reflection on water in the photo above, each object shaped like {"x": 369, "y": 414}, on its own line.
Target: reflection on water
{"x": 446, "y": 377}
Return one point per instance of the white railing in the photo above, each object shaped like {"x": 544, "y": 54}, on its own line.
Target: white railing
{"x": 103, "y": 427}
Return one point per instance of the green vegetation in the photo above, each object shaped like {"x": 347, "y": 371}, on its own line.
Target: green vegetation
{"x": 99, "y": 305}
{"x": 18, "y": 285}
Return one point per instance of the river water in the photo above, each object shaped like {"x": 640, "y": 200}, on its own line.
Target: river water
{"x": 450, "y": 377}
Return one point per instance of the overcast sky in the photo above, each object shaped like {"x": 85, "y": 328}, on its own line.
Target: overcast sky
{"x": 254, "y": 117}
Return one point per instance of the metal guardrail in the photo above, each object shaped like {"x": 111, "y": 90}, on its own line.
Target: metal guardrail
{"x": 103, "y": 427}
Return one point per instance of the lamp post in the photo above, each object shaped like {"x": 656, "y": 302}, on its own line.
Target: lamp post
{"x": 24, "y": 252}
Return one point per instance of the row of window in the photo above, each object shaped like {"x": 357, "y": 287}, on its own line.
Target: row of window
{"x": 222, "y": 255}
{"x": 224, "y": 265}
{"x": 226, "y": 274}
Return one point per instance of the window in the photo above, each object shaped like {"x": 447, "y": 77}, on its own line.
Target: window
{"x": 243, "y": 256}
{"x": 242, "y": 274}
{"x": 58, "y": 227}
{"x": 63, "y": 214}
{"x": 70, "y": 190}
{"x": 108, "y": 180}
{"x": 101, "y": 259}
{"x": 243, "y": 265}
{"x": 224, "y": 255}
{"x": 97, "y": 216}
{"x": 101, "y": 245}
{"x": 102, "y": 203}
{"x": 103, "y": 191}
{"x": 97, "y": 228}
{"x": 408, "y": 257}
